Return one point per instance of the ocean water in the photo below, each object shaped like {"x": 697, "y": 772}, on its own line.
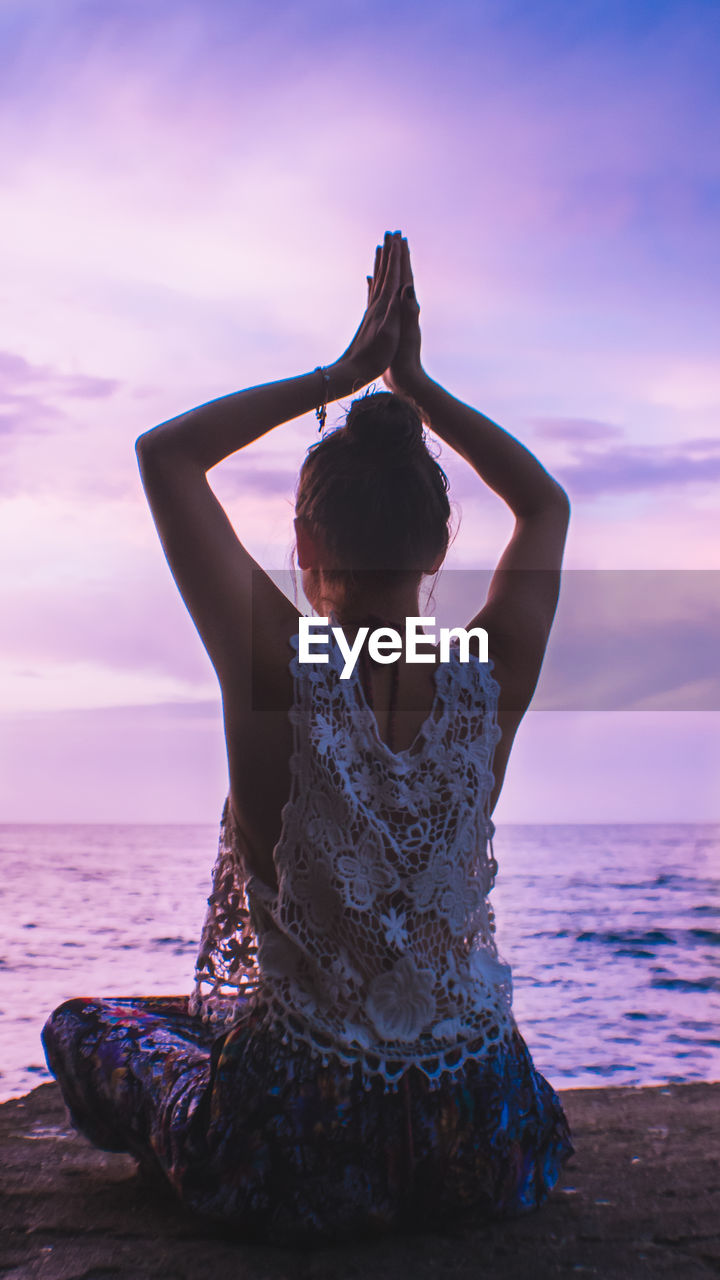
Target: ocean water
{"x": 613, "y": 934}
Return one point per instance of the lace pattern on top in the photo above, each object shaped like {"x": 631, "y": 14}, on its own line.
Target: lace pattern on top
{"x": 378, "y": 946}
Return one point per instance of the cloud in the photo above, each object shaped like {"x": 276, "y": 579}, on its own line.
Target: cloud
{"x": 92, "y": 615}
{"x": 639, "y": 468}
{"x": 704, "y": 444}
{"x": 27, "y": 392}
{"x": 601, "y": 463}
{"x": 16, "y": 371}
{"x": 574, "y": 429}
{"x": 81, "y": 684}
{"x": 628, "y": 640}
{"x": 124, "y": 629}
{"x": 622, "y": 640}
{"x": 20, "y": 414}
{"x": 266, "y": 483}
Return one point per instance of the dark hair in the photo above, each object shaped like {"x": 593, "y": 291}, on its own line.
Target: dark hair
{"x": 374, "y": 491}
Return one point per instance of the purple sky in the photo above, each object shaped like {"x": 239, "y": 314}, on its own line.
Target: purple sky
{"x": 192, "y": 194}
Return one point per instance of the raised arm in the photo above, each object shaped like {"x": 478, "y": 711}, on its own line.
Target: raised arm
{"x": 524, "y": 589}
{"x": 219, "y": 581}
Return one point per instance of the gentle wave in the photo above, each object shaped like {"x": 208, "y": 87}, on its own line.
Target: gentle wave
{"x": 614, "y": 951}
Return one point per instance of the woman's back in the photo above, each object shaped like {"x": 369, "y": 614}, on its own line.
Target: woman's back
{"x": 378, "y": 945}
{"x": 260, "y": 744}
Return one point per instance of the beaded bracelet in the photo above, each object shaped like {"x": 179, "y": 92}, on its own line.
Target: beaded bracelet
{"x": 321, "y": 411}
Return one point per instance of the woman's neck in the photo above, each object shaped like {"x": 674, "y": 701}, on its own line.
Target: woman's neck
{"x": 392, "y": 609}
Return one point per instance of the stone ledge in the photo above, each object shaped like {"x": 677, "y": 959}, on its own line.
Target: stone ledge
{"x": 640, "y": 1198}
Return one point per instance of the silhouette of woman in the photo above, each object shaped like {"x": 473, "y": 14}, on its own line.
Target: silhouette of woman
{"x": 348, "y": 1061}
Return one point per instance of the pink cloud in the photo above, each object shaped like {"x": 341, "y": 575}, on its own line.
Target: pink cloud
{"x": 574, "y": 429}
{"x": 16, "y": 371}
{"x": 29, "y": 392}
{"x": 629, "y": 468}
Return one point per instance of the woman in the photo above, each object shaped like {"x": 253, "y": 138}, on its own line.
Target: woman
{"x": 348, "y": 1060}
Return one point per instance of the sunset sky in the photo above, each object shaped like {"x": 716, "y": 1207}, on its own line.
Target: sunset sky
{"x": 192, "y": 193}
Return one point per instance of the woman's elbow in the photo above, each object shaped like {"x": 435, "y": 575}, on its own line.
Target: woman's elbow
{"x": 152, "y": 447}
{"x": 145, "y": 441}
{"x": 150, "y": 457}
{"x": 548, "y": 498}
{"x": 561, "y": 500}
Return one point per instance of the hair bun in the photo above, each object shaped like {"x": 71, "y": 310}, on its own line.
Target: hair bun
{"x": 385, "y": 426}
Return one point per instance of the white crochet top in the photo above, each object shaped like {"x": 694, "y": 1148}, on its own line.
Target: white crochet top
{"x": 378, "y": 945}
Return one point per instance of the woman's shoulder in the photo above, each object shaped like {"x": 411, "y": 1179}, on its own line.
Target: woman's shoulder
{"x": 473, "y": 667}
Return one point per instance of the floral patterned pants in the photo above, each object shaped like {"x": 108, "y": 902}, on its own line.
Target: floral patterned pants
{"x": 266, "y": 1139}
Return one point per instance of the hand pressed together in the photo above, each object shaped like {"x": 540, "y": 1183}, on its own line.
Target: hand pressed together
{"x": 388, "y": 335}
{"x": 406, "y": 365}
